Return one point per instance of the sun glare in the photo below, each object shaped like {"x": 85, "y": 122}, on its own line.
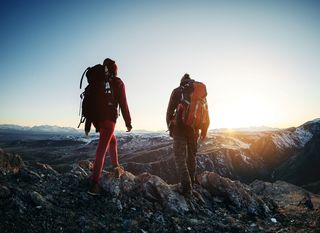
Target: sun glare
{"x": 243, "y": 112}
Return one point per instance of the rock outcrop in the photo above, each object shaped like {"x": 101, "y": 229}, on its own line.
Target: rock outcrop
{"x": 10, "y": 162}
{"x": 299, "y": 210}
{"x": 235, "y": 193}
{"x": 36, "y": 198}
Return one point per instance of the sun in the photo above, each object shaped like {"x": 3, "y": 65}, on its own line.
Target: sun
{"x": 244, "y": 111}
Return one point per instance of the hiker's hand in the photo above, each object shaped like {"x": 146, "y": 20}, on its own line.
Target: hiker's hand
{"x": 202, "y": 138}
{"x": 129, "y": 128}
{"x": 201, "y": 141}
{"x": 203, "y": 135}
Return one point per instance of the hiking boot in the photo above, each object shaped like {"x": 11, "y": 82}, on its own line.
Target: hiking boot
{"x": 185, "y": 192}
{"x": 94, "y": 190}
{"x": 118, "y": 171}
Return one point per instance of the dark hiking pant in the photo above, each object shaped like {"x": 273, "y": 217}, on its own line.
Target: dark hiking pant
{"x": 185, "y": 149}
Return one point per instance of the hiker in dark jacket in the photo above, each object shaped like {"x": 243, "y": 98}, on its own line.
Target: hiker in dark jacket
{"x": 106, "y": 127}
{"x": 185, "y": 140}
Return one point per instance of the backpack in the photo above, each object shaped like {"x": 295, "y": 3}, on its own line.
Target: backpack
{"x": 97, "y": 100}
{"x": 192, "y": 110}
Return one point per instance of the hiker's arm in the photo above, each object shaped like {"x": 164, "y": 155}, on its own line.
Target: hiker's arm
{"x": 124, "y": 107}
{"x": 87, "y": 127}
{"x": 204, "y": 129}
{"x": 173, "y": 102}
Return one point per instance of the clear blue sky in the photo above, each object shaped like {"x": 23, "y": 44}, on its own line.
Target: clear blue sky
{"x": 259, "y": 59}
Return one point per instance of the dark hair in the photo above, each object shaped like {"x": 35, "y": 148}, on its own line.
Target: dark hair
{"x": 111, "y": 65}
{"x": 185, "y": 77}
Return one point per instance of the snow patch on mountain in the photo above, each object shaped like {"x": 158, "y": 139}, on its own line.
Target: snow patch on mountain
{"x": 303, "y": 136}
{"x": 234, "y": 143}
{"x": 295, "y": 139}
{"x": 245, "y": 158}
{"x": 284, "y": 140}
{"x": 241, "y": 144}
{"x": 54, "y": 129}
{"x": 134, "y": 141}
{"x": 48, "y": 129}
{"x": 13, "y": 127}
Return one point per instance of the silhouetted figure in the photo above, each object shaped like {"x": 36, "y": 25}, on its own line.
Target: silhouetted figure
{"x": 187, "y": 114}
{"x": 102, "y": 97}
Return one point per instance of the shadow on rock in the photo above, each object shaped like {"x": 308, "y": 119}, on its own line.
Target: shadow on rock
{"x": 235, "y": 193}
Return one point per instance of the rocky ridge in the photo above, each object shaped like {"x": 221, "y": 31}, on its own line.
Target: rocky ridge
{"x": 34, "y": 197}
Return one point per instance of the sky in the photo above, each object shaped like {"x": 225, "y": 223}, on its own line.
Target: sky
{"x": 260, "y": 60}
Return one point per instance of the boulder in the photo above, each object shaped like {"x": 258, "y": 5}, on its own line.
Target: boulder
{"x": 150, "y": 186}
{"x": 10, "y": 162}
{"x": 287, "y": 195}
{"x": 157, "y": 189}
{"x": 117, "y": 186}
{"x": 234, "y": 193}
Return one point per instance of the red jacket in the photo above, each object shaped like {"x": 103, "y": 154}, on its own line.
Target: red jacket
{"x": 120, "y": 100}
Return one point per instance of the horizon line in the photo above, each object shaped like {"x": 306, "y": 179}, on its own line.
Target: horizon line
{"x": 164, "y": 130}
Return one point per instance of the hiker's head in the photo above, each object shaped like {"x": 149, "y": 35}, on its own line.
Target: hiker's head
{"x": 185, "y": 78}
{"x": 110, "y": 66}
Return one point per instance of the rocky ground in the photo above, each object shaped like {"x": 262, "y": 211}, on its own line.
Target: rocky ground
{"x": 36, "y": 198}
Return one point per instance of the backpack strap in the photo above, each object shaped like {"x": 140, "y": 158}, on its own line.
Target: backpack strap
{"x": 182, "y": 88}
{"x": 83, "y": 76}
{"x": 111, "y": 81}
{"x": 82, "y": 120}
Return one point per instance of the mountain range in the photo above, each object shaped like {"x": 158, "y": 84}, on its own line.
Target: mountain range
{"x": 38, "y": 129}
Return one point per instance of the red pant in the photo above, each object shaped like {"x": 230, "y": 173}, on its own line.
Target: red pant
{"x": 108, "y": 141}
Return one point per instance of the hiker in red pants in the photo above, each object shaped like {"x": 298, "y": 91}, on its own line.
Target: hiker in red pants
{"x": 102, "y": 97}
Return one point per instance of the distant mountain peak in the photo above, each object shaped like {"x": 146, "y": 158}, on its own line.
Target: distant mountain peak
{"x": 39, "y": 129}
{"x": 314, "y": 121}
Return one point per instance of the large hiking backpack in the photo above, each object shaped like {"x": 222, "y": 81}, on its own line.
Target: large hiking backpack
{"x": 97, "y": 100}
{"x": 193, "y": 108}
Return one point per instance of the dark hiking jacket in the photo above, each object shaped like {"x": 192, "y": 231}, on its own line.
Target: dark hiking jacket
{"x": 181, "y": 130}
{"x": 120, "y": 100}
